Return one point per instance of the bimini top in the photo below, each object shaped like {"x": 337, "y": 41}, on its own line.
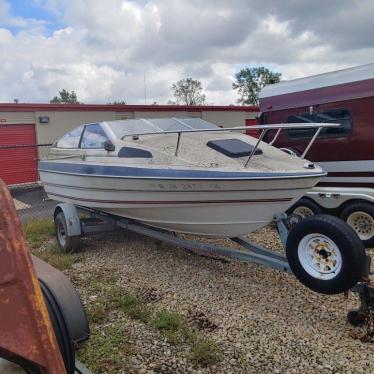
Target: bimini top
{"x": 157, "y": 125}
{"x": 346, "y": 84}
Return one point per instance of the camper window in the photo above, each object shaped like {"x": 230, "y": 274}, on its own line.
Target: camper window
{"x": 342, "y": 116}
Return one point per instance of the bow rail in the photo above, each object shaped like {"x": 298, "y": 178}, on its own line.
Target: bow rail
{"x": 263, "y": 128}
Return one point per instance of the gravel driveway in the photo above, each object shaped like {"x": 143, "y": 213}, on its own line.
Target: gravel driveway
{"x": 262, "y": 320}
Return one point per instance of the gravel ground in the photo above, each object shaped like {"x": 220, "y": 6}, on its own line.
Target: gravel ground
{"x": 260, "y": 319}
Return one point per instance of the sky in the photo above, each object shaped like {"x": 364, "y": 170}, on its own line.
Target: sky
{"x": 114, "y": 49}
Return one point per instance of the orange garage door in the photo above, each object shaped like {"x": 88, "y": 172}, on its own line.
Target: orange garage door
{"x": 18, "y": 165}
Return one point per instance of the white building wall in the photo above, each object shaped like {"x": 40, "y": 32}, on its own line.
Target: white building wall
{"x": 62, "y": 122}
{"x": 225, "y": 119}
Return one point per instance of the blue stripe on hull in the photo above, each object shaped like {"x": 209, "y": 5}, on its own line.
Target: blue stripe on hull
{"x": 138, "y": 172}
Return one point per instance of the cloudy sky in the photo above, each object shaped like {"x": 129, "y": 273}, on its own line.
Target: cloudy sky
{"x": 102, "y": 49}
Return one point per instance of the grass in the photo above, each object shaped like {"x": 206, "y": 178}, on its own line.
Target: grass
{"x": 127, "y": 301}
{"x": 203, "y": 352}
{"x": 38, "y": 231}
{"x": 167, "y": 321}
{"x": 106, "y": 350}
{"x": 57, "y": 259}
{"x": 130, "y": 305}
{"x": 97, "y": 313}
{"x": 108, "y": 294}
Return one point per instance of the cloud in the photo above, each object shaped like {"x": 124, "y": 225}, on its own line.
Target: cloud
{"x": 103, "y": 49}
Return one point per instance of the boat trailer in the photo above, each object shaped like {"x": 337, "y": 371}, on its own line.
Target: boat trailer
{"x": 73, "y": 222}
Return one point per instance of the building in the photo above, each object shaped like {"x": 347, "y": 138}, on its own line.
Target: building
{"x": 30, "y": 124}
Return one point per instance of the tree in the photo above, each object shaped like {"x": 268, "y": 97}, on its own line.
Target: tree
{"x": 250, "y": 81}
{"x": 118, "y": 102}
{"x": 65, "y": 97}
{"x": 188, "y": 91}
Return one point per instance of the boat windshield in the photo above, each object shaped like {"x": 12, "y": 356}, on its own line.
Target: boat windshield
{"x": 157, "y": 125}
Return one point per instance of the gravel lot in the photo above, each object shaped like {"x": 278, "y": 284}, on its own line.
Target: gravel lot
{"x": 261, "y": 320}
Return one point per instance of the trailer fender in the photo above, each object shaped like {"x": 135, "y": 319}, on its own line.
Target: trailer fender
{"x": 338, "y": 197}
{"x": 70, "y": 212}
{"x": 66, "y": 297}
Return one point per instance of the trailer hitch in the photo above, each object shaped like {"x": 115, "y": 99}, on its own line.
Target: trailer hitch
{"x": 364, "y": 314}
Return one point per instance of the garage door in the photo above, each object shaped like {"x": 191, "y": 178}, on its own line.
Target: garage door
{"x": 18, "y": 165}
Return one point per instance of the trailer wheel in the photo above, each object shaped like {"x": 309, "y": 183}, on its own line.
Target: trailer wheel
{"x": 305, "y": 208}
{"x": 325, "y": 254}
{"x": 65, "y": 242}
{"x": 360, "y": 216}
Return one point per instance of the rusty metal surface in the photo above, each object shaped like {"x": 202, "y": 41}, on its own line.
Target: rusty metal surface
{"x": 25, "y": 328}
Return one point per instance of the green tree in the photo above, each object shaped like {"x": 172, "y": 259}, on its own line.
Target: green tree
{"x": 65, "y": 97}
{"x": 250, "y": 81}
{"x": 189, "y": 92}
{"x": 118, "y": 102}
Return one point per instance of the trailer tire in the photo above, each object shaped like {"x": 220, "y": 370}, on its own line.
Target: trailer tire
{"x": 360, "y": 216}
{"x": 305, "y": 208}
{"x": 65, "y": 242}
{"x": 325, "y": 254}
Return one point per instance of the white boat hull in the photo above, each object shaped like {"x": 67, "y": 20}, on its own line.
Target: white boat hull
{"x": 221, "y": 208}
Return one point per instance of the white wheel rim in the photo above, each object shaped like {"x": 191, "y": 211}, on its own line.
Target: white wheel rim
{"x": 61, "y": 233}
{"x": 362, "y": 223}
{"x": 303, "y": 211}
{"x": 319, "y": 256}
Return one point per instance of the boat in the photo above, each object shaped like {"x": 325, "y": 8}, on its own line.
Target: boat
{"x": 178, "y": 174}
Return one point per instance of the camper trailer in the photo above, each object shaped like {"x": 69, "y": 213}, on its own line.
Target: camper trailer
{"x": 346, "y": 153}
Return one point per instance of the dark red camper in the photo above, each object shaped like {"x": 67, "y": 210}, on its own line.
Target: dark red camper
{"x": 347, "y": 153}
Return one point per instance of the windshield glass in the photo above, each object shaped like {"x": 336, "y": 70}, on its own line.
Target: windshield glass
{"x": 157, "y": 125}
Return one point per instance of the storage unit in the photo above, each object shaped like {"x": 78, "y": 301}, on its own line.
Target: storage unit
{"x": 18, "y": 165}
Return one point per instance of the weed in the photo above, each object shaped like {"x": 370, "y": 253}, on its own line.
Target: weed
{"x": 55, "y": 258}
{"x": 203, "y": 352}
{"x": 190, "y": 336}
{"x": 97, "y": 312}
{"x": 38, "y": 231}
{"x": 127, "y": 301}
{"x": 168, "y": 321}
{"x": 106, "y": 350}
{"x": 173, "y": 337}
{"x": 140, "y": 312}
{"x": 134, "y": 309}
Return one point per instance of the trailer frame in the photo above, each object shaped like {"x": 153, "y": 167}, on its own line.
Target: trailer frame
{"x": 93, "y": 222}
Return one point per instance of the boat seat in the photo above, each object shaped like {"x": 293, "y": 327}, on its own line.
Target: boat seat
{"x": 232, "y": 147}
